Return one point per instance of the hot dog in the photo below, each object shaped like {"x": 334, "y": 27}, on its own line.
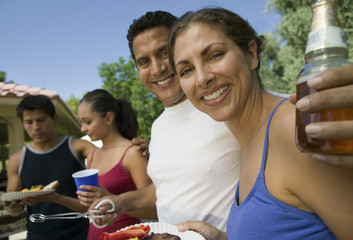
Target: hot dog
{"x": 51, "y": 186}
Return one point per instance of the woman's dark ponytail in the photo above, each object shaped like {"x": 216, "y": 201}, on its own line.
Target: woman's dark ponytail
{"x": 126, "y": 120}
{"x": 102, "y": 101}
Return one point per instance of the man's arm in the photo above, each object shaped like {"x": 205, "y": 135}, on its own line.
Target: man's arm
{"x": 144, "y": 198}
{"x": 68, "y": 202}
{"x": 14, "y": 184}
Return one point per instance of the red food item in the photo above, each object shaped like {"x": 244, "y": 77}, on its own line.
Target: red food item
{"x": 133, "y": 231}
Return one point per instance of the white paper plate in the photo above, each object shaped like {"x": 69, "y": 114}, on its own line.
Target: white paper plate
{"x": 157, "y": 227}
{"x": 19, "y": 195}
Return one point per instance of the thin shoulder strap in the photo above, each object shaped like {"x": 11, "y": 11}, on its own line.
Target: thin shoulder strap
{"x": 264, "y": 152}
{"x": 121, "y": 159}
{"x": 90, "y": 162}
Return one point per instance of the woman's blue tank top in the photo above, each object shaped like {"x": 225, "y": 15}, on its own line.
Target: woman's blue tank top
{"x": 262, "y": 216}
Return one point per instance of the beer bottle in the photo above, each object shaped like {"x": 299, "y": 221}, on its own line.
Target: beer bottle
{"x": 326, "y": 49}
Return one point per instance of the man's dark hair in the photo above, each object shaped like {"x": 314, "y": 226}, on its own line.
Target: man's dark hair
{"x": 36, "y": 102}
{"x": 148, "y": 21}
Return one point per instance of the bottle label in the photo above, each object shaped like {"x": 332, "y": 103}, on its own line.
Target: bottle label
{"x": 328, "y": 37}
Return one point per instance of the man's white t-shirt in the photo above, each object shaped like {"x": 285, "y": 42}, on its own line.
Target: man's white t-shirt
{"x": 194, "y": 164}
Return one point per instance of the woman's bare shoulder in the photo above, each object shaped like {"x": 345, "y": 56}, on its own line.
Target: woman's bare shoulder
{"x": 283, "y": 122}
{"x": 282, "y": 135}
{"x": 134, "y": 152}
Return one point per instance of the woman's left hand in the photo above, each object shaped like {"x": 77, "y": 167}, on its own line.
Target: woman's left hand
{"x": 208, "y": 231}
{"x": 93, "y": 193}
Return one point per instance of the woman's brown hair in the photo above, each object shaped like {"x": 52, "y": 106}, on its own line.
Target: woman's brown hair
{"x": 233, "y": 26}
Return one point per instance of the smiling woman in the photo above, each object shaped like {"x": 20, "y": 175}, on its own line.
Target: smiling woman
{"x": 215, "y": 54}
{"x": 234, "y": 62}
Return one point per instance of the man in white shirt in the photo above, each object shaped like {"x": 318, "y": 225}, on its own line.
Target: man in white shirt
{"x": 194, "y": 160}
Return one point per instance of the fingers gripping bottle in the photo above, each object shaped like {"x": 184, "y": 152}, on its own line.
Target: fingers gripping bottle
{"x": 326, "y": 49}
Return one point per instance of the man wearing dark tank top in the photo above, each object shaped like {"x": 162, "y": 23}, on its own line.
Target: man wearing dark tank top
{"x": 48, "y": 157}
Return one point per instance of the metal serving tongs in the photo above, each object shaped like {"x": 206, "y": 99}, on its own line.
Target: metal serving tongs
{"x": 38, "y": 217}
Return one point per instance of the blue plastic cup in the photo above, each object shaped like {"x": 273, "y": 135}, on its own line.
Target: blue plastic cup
{"x": 86, "y": 177}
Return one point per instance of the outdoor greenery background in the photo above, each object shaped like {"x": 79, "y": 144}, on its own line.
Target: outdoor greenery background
{"x": 281, "y": 61}
{"x": 283, "y": 56}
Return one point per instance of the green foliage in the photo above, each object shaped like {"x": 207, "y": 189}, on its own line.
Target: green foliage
{"x": 345, "y": 12}
{"x": 285, "y": 7}
{"x": 283, "y": 56}
{"x": 268, "y": 72}
{"x": 122, "y": 80}
{"x": 2, "y": 76}
{"x": 73, "y": 103}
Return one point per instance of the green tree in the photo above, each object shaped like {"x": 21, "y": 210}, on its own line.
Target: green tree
{"x": 284, "y": 52}
{"x": 2, "y": 76}
{"x": 122, "y": 80}
{"x": 73, "y": 103}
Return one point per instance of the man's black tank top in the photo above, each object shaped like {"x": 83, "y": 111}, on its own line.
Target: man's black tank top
{"x": 58, "y": 163}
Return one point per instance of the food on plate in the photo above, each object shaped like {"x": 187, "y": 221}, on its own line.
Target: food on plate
{"x": 132, "y": 232}
{"x": 33, "y": 189}
{"x": 161, "y": 236}
{"x": 51, "y": 186}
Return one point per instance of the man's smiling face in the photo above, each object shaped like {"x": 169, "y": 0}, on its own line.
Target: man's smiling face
{"x": 151, "y": 56}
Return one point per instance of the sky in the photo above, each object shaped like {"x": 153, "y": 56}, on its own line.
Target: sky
{"x": 59, "y": 44}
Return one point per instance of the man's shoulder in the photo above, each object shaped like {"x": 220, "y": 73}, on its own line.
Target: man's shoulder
{"x": 17, "y": 155}
{"x": 14, "y": 161}
{"x": 159, "y": 119}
